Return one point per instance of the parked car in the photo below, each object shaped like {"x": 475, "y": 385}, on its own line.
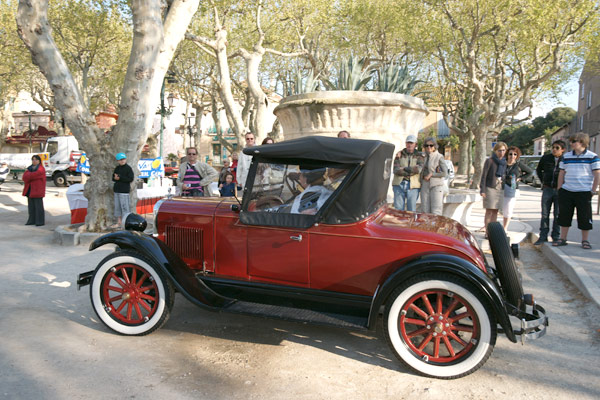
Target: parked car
{"x": 313, "y": 240}
{"x": 532, "y": 161}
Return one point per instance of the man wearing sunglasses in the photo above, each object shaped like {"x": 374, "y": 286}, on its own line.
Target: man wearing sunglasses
{"x": 244, "y": 161}
{"x": 194, "y": 176}
{"x": 547, "y": 170}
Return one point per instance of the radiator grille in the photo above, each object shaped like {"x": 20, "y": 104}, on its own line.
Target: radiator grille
{"x": 186, "y": 242}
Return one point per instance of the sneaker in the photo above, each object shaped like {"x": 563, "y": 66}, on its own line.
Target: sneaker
{"x": 540, "y": 242}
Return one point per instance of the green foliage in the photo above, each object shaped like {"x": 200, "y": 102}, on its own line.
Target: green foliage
{"x": 303, "y": 84}
{"x": 522, "y": 135}
{"x": 395, "y": 79}
{"x": 353, "y": 75}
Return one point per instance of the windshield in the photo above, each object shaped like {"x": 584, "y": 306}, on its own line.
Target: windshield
{"x": 52, "y": 148}
{"x": 292, "y": 188}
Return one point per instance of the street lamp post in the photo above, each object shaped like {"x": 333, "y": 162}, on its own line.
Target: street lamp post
{"x": 190, "y": 129}
{"x": 30, "y": 133}
{"x": 169, "y": 78}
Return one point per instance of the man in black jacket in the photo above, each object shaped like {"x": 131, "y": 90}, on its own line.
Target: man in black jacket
{"x": 122, "y": 176}
{"x": 547, "y": 170}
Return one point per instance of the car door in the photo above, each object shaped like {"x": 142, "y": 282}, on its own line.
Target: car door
{"x": 278, "y": 254}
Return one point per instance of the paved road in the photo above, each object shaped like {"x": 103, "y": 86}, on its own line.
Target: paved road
{"x": 54, "y": 347}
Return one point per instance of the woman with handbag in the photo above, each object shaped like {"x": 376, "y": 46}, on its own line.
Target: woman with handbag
{"x": 515, "y": 171}
{"x": 490, "y": 186}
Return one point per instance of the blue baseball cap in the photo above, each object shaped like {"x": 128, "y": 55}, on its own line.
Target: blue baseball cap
{"x": 121, "y": 156}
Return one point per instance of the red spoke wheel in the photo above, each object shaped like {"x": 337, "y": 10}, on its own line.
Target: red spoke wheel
{"x": 129, "y": 295}
{"x": 438, "y": 326}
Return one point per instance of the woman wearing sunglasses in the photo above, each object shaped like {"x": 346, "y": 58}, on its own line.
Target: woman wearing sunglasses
{"x": 432, "y": 179}
{"x": 515, "y": 171}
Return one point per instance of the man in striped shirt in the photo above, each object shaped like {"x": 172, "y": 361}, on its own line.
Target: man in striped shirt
{"x": 578, "y": 181}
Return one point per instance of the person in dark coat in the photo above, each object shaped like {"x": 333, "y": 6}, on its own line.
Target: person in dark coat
{"x": 35, "y": 191}
{"x": 122, "y": 176}
{"x": 547, "y": 170}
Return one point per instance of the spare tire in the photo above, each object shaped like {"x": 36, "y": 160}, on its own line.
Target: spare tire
{"x": 505, "y": 263}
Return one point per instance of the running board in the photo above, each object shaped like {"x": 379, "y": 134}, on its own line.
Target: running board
{"x": 297, "y": 315}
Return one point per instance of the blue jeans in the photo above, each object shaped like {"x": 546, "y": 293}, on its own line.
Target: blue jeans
{"x": 549, "y": 199}
{"x": 405, "y": 196}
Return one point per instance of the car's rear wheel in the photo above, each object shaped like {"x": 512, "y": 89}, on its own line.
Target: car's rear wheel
{"x": 438, "y": 325}
{"x": 505, "y": 263}
{"x": 129, "y": 295}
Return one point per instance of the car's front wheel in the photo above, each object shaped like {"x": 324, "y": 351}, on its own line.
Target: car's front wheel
{"x": 438, "y": 326}
{"x": 129, "y": 295}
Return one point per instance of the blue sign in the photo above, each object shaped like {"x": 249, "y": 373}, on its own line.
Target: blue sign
{"x": 151, "y": 167}
{"x": 83, "y": 164}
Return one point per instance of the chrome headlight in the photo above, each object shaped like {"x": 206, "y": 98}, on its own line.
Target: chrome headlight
{"x": 155, "y": 214}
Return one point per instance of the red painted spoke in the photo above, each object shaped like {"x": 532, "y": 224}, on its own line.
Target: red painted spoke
{"x": 113, "y": 299}
{"x": 418, "y": 332}
{"x": 462, "y": 328}
{"x": 129, "y": 310}
{"x": 451, "y": 308}
{"x": 118, "y": 310}
{"x": 125, "y": 276}
{"x": 439, "y": 306}
{"x": 458, "y": 317}
{"x": 458, "y": 339}
{"x": 116, "y": 278}
{"x": 449, "y": 346}
{"x": 138, "y": 311}
{"x": 414, "y": 321}
{"x": 142, "y": 280}
{"x": 425, "y": 341}
{"x": 145, "y": 305}
{"x": 146, "y": 288}
{"x": 427, "y": 304}
{"x": 147, "y": 297}
{"x": 418, "y": 311}
{"x": 115, "y": 289}
{"x": 133, "y": 274}
{"x": 436, "y": 347}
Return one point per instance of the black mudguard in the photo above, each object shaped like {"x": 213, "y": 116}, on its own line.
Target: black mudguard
{"x": 451, "y": 265}
{"x": 169, "y": 262}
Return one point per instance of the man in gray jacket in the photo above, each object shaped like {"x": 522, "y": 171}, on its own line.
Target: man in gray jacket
{"x": 407, "y": 167}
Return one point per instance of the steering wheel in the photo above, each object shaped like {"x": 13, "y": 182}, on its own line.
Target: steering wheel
{"x": 268, "y": 202}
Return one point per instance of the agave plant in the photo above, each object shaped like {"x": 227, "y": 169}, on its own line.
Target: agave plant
{"x": 303, "y": 85}
{"x": 353, "y": 75}
{"x": 395, "y": 79}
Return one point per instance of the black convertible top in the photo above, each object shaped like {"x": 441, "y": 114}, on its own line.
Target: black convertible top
{"x": 362, "y": 193}
{"x": 319, "y": 148}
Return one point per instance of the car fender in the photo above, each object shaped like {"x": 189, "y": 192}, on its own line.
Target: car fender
{"x": 169, "y": 262}
{"x": 445, "y": 264}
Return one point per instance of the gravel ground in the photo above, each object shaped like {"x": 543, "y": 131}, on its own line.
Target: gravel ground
{"x": 54, "y": 347}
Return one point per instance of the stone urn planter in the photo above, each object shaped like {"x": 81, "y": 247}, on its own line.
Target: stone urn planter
{"x": 365, "y": 114}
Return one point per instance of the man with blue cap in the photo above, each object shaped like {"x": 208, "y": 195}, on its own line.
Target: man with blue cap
{"x": 122, "y": 176}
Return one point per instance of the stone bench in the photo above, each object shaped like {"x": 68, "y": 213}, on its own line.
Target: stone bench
{"x": 459, "y": 203}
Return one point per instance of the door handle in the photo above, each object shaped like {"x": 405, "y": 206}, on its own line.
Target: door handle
{"x": 296, "y": 238}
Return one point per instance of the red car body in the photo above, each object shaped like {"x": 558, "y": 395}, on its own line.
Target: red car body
{"x": 313, "y": 240}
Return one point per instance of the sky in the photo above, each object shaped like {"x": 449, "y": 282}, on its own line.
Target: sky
{"x": 568, "y": 99}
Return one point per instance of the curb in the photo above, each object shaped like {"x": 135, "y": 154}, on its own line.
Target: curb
{"x": 571, "y": 269}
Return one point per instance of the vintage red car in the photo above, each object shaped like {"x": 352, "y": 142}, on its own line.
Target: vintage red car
{"x": 314, "y": 240}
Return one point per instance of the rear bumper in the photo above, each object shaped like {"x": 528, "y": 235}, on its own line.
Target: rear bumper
{"x": 84, "y": 279}
{"x": 533, "y": 323}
